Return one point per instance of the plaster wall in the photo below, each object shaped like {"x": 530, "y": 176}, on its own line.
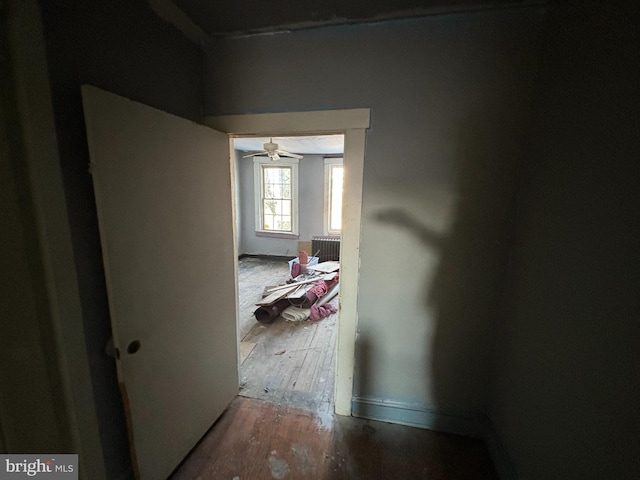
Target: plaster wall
{"x": 29, "y": 377}
{"x": 311, "y": 208}
{"x": 566, "y": 396}
{"x": 449, "y": 97}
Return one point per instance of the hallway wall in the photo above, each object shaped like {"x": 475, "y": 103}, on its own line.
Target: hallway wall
{"x": 566, "y": 398}
{"x": 449, "y": 98}
{"x": 124, "y": 48}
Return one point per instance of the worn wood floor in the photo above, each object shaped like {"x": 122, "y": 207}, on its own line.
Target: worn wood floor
{"x": 289, "y": 363}
{"x": 256, "y": 440}
{"x": 253, "y": 275}
{"x": 291, "y": 433}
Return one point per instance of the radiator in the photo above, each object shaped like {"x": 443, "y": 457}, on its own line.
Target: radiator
{"x": 329, "y": 247}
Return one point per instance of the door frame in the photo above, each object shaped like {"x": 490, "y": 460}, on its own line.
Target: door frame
{"x": 351, "y": 123}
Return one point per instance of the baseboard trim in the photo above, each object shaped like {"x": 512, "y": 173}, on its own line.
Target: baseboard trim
{"x": 458, "y": 423}
{"x": 468, "y": 424}
{"x": 278, "y": 258}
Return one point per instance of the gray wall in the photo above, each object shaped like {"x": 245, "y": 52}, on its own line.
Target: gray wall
{"x": 31, "y": 385}
{"x": 311, "y": 202}
{"x": 566, "y": 401}
{"x": 450, "y": 97}
{"x": 122, "y": 47}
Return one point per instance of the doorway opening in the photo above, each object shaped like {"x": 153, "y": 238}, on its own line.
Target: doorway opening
{"x": 282, "y": 202}
{"x": 353, "y": 124}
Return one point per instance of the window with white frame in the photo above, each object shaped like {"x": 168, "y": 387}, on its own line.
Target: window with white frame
{"x": 276, "y": 193}
{"x": 333, "y": 184}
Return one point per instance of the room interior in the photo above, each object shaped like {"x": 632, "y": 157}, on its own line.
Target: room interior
{"x": 311, "y": 192}
{"x": 284, "y": 362}
{"x": 497, "y": 260}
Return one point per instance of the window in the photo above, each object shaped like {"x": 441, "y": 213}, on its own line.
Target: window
{"x": 333, "y": 181}
{"x": 276, "y": 189}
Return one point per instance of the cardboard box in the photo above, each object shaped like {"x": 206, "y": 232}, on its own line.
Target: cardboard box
{"x": 312, "y": 261}
{"x": 305, "y": 247}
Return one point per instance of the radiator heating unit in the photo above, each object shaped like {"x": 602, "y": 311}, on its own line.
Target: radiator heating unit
{"x": 327, "y": 246}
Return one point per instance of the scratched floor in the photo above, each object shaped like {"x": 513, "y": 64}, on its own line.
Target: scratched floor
{"x": 289, "y": 363}
{"x": 256, "y": 440}
{"x": 253, "y": 275}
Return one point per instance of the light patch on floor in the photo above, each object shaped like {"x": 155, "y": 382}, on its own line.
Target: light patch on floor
{"x": 279, "y": 467}
{"x": 245, "y": 349}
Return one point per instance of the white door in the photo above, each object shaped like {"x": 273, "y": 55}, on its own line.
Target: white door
{"x": 163, "y": 193}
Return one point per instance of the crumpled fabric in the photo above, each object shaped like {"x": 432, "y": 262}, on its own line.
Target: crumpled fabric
{"x": 319, "y": 290}
{"x": 295, "y": 314}
{"x": 322, "y": 311}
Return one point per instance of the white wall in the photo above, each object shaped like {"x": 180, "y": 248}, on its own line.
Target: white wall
{"x": 311, "y": 198}
{"x": 449, "y": 97}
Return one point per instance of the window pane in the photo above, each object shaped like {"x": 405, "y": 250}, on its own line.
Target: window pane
{"x": 268, "y": 222}
{"x": 269, "y": 207}
{"x": 335, "y": 207}
{"x": 286, "y": 207}
{"x": 277, "y": 198}
{"x": 283, "y": 223}
{"x": 268, "y": 190}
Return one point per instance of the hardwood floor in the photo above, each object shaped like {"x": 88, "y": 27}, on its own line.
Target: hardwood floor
{"x": 253, "y": 275}
{"x": 289, "y": 363}
{"x": 256, "y": 440}
{"x": 288, "y": 431}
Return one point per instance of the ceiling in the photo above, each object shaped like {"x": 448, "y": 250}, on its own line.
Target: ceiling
{"x": 220, "y": 18}
{"x": 313, "y": 145}
{"x": 229, "y": 18}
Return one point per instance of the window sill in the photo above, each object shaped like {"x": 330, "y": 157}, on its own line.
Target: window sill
{"x": 283, "y": 235}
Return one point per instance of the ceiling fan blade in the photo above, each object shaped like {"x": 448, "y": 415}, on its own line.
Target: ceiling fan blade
{"x": 254, "y": 154}
{"x": 288, "y": 154}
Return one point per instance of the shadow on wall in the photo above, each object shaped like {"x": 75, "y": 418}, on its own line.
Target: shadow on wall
{"x": 464, "y": 290}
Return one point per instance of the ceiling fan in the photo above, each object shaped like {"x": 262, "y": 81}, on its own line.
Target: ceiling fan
{"x": 271, "y": 150}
